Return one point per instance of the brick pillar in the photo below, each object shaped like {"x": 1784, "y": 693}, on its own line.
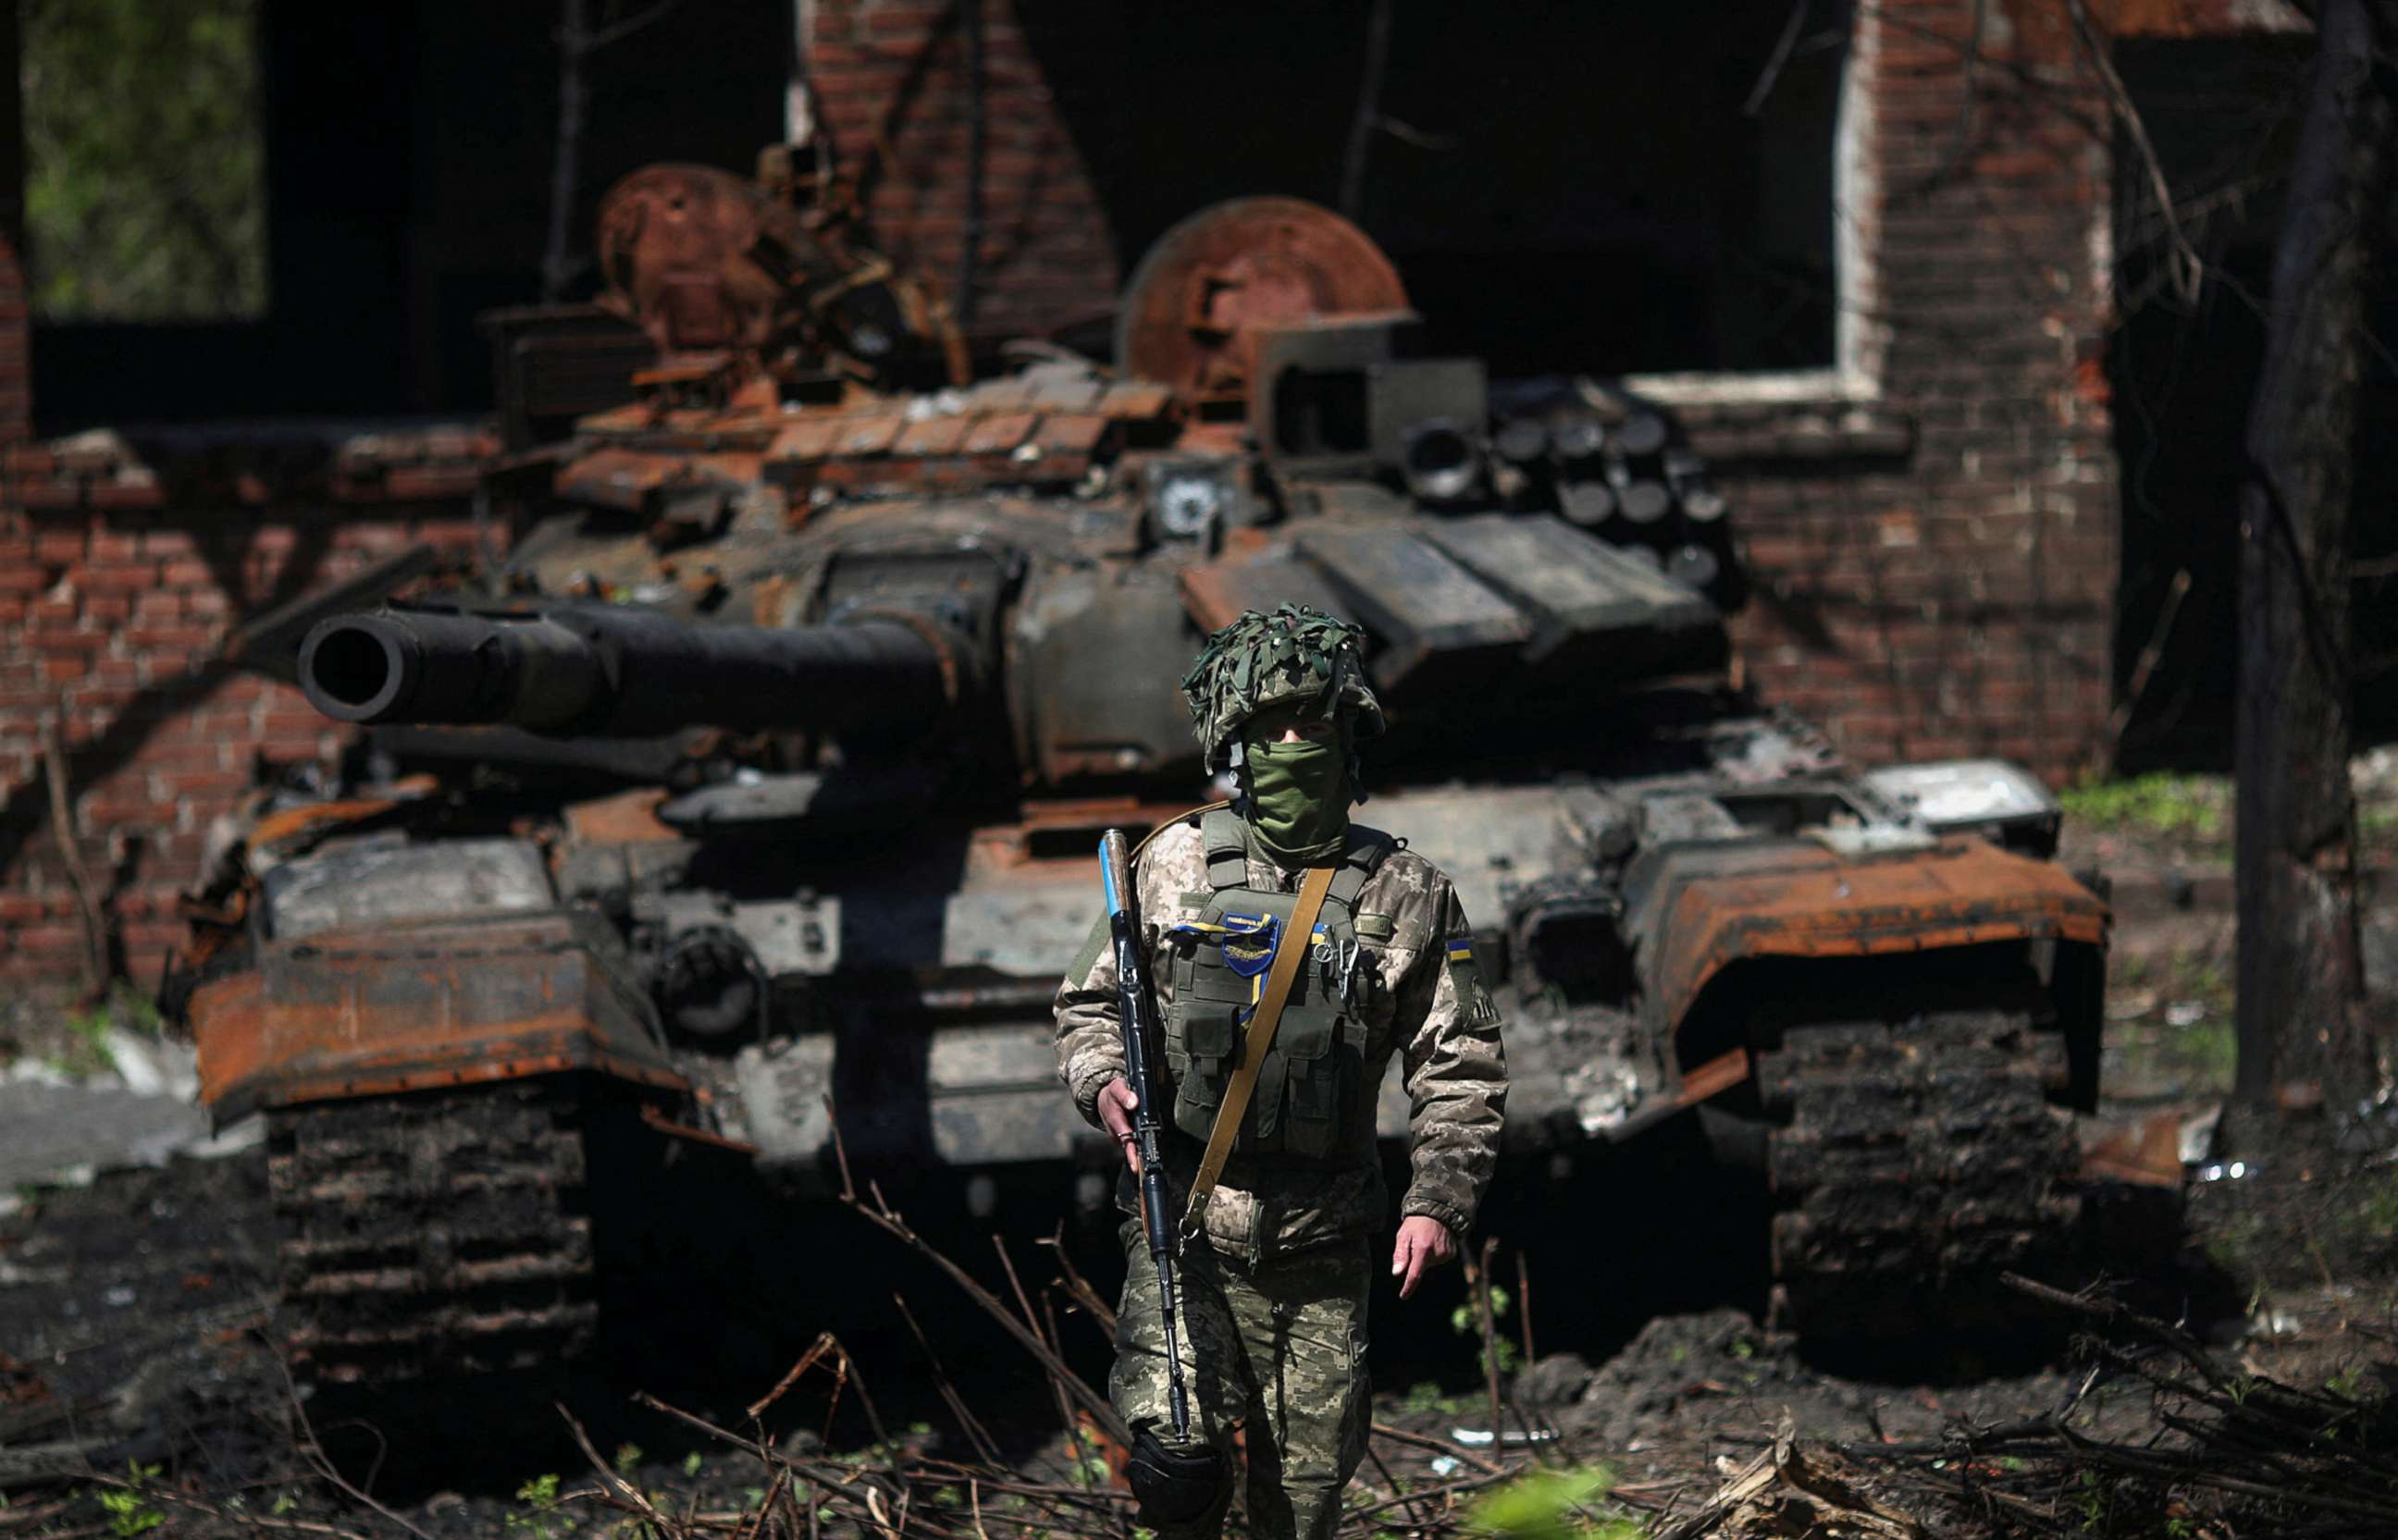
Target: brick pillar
{"x": 1957, "y": 598}
{"x": 890, "y": 75}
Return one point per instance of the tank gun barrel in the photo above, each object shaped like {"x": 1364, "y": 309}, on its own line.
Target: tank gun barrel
{"x": 617, "y": 672}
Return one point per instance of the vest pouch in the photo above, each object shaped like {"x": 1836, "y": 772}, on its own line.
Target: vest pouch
{"x": 1203, "y": 1045}
{"x": 1313, "y": 1094}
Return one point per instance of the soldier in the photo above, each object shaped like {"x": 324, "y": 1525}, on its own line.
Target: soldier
{"x": 1272, "y": 1304}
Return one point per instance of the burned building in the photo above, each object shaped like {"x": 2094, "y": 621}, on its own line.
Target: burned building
{"x": 1871, "y": 256}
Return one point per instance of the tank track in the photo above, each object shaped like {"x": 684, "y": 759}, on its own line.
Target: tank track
{"x": 434, "y": 1234}
{"x": 1910, "y": 1163}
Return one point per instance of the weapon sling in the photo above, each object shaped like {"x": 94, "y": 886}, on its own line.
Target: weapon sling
{"x": 1284, "y": 972}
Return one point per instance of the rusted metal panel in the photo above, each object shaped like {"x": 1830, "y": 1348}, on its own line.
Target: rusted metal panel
{"x": 294, "y": 828}
{"x": 1814, "y": 903}
{"x": 627, "y": 818}
{"x": 1719, "y": 1073}
{"x": 1137, "y": 400}
{"x": 934, "y": 436}
{"x": 616, "y": 479}
{"x": 656, "y": 1117}
{"x": 412, "y": 1008}
{"x": 1212, "y": 279}
{"x": 2147, "y": 1154}
{"x": 809, "y": 438}
{"x": 861, "y": 437}
{"x": 1215, "y": 593}
{"x": 999, "y": 433}
{"x": 1071, "y": 434}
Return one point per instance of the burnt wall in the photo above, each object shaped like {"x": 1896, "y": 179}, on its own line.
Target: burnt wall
{"x": 1957, "y": 598}
{"x": 120, "y": 580}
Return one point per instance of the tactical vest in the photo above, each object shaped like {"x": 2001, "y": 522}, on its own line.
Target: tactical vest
{"x": 1307, "y": 1099}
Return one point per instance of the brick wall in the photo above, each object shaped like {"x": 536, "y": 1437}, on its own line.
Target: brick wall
{"x": 118, "y": 583}
{"x": 1957, "y": 598}
{"x": 890, "y": 82}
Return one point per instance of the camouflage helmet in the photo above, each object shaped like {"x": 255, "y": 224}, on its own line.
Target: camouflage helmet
{"x": 1296, "y": 656}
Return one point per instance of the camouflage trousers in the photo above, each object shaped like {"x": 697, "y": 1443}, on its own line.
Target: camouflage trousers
{"x": 1278, "y": 1347}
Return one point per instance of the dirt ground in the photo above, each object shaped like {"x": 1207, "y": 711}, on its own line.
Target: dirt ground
{"x": 136, "y": 1314}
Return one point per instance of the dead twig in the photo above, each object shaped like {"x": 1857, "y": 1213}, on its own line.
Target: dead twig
{"x": 883, "y": 1217}
{"x": 1078, "y": 1288}
{"x": 2189, "y": 269}
{"x": 322, "y": 1462}
{"x": 64, "y": 831}
{"x": 1478, "y": 1278}
{"x": 1437, "y": 1446}
{"x": 971, "y": 1425}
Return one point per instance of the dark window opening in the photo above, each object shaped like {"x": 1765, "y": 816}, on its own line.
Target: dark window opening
{"x": 404, "y": 171}
{"x": 1561, "y": 187}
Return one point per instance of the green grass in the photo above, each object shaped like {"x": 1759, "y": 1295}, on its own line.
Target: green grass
{"x": 2206, "y": 1052}
{"x": 80, "y": 1047}
{"x": 1553, "y": 1504}
{"x": 2195, "y": 810}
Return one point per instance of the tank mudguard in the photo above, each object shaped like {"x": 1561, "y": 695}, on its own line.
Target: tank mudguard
{"x": 1710, "y": 905}
{"x": 372, "y": 1012}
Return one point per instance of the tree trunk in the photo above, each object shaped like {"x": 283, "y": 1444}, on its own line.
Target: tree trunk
{"x": 2300, "y": 1035}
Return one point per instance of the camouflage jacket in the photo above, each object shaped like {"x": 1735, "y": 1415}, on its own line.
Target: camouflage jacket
{"x": 1430, "y": 1009}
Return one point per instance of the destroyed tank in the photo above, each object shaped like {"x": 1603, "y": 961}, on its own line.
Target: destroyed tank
{"x": 757, "y": 797}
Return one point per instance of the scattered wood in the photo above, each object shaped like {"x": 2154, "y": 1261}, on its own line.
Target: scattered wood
{"x": 1793, "y": 1490}
{"x": 2225, "y": 1451}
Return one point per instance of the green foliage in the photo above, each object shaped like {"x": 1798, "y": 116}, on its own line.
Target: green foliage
{"x": 540, "y": 1522}
{"x": 129, "y": 1513}
{"x": 82, "y": 1051}
{"x": 2093, "y": 1502}
{"x": 1467, "y": 1322}
{"x": 1089, "y": 1469}
{"x": 144, "y": 159}
{"x": 1425, "y": 1397}
{"x": 691, "y": 1464}
{"x": 629, "y": 1458}
{"x": 1551, "y": 1505}
{"x": 2190, "y": 808}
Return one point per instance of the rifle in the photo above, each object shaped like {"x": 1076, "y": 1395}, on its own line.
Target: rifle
{"x": 1136, "y": 1009}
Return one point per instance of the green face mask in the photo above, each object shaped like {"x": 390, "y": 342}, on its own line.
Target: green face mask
{"x": 1299, "y": 798}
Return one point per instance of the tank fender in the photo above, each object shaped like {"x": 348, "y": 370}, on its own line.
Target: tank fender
{"x": 414, "y": 1007}
{"x": 1714, "y": 905}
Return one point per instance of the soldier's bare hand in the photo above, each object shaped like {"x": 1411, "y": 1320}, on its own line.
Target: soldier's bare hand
{"x": 1116, "y": 1107}
{"x": 1425, "y": 1243}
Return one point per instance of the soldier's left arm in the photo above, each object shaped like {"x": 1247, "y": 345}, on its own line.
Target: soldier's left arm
{"x": 1455, "y": 1072}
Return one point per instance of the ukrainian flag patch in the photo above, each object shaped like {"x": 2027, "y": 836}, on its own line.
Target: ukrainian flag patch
{"x": 1461, "y": 949}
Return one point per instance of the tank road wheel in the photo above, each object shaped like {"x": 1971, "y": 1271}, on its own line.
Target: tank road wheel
{"x": 1910, "y": 1163}
{"x": 436, "y": 1233}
